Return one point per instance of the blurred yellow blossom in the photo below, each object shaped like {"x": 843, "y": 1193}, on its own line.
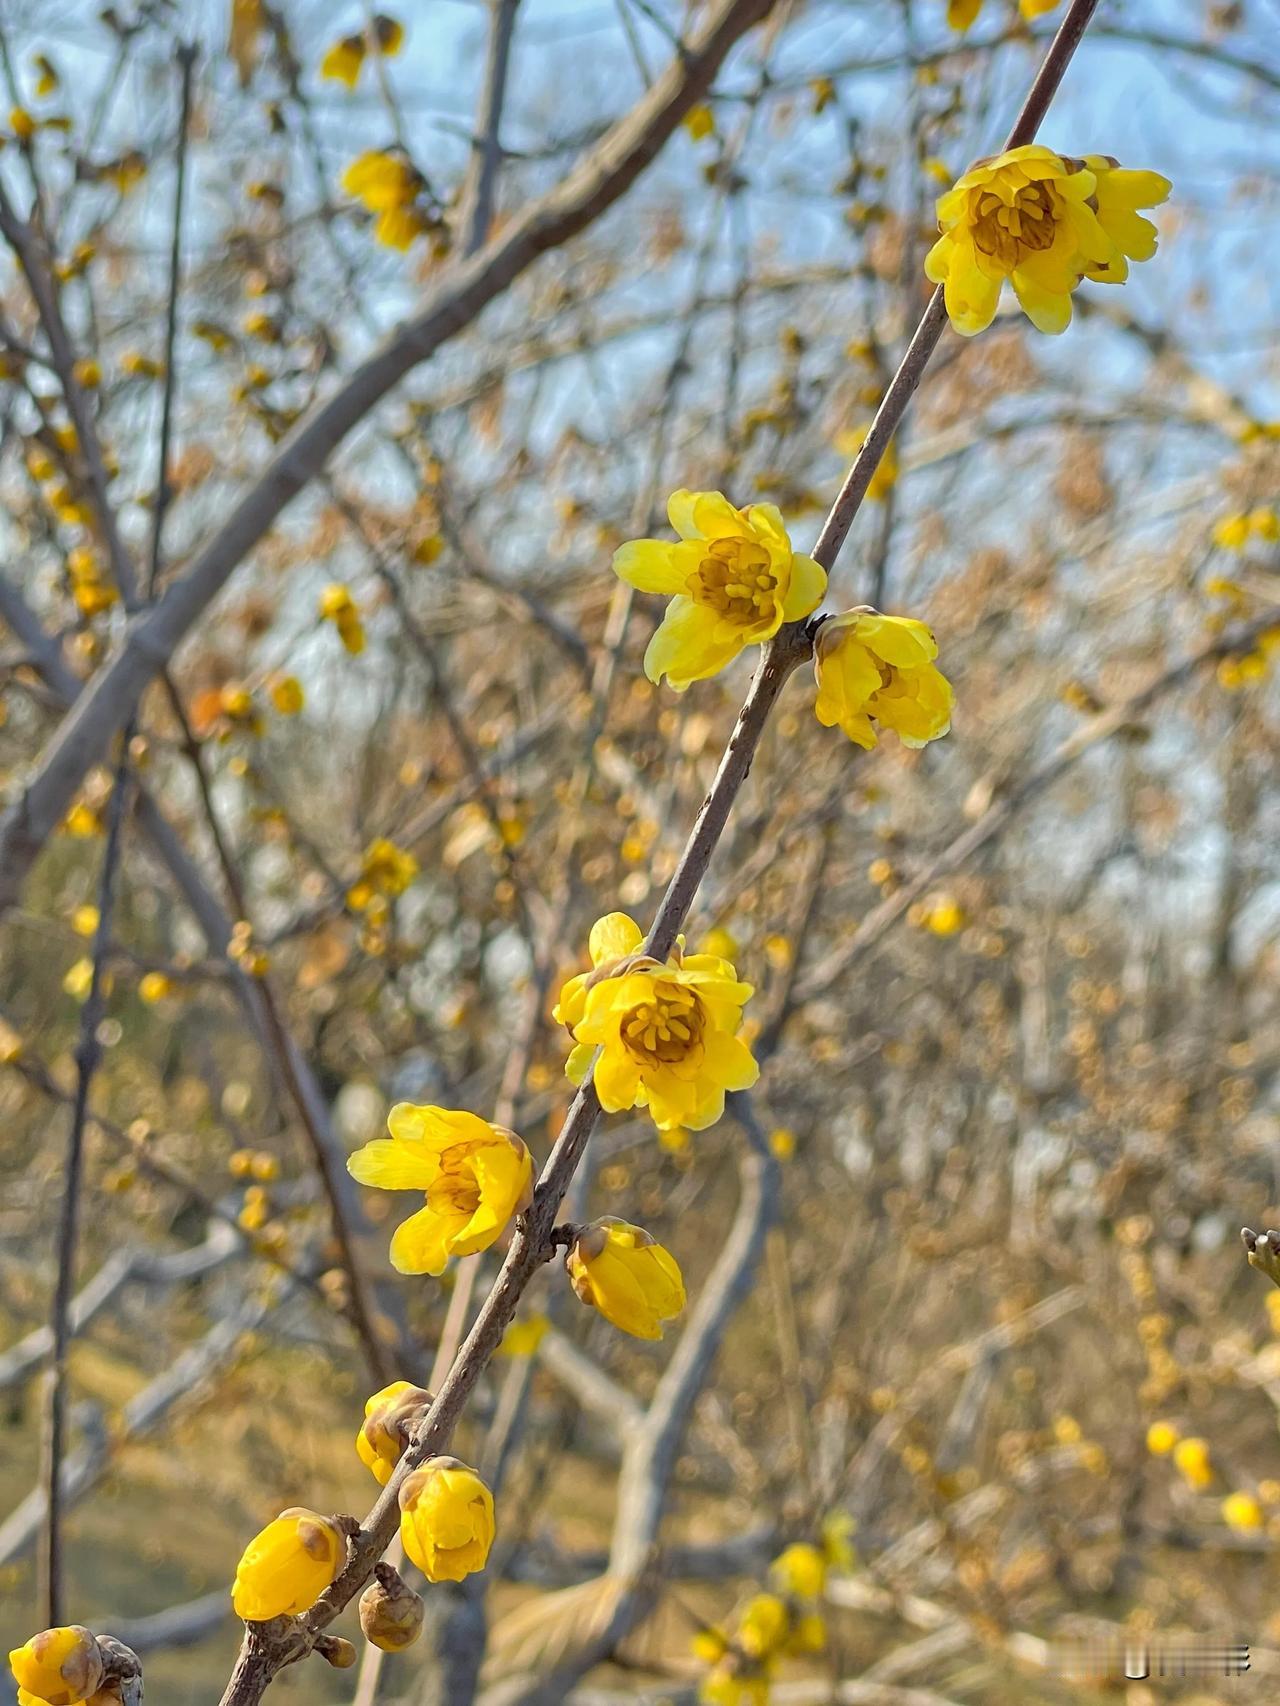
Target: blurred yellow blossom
{"x": 1242, "y": 1511}
{"x": 1192, "y": 1461}
{"x": 1163, "y": 1436}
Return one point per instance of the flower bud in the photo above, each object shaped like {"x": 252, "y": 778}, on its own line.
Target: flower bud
{"x": 446, "y": 1519}
{"x": 59, "y": 1666}
{"x": 390, "y": 1611}
{"x": 286, "y": 1567}
{"x": 388, "y": 1416}
{"x": 622, "y": 1272}
{"x": 336, "y": 1651}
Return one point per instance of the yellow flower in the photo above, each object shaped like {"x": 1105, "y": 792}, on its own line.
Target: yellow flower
{"x": 618, "y": 1269}
{"x": 338, "y": 606}
{"x": 1163, "y": 1436}
{"x": 287, "y": 695}
{"x": 286, "y": 1567}
{"x": 79, "y": 979}
{"x": 87, "y": 373}
{"x": 1231, "y": 533}
{"x": 385, "y": 870}
{"x": 764, "y": 1625}
{"x": 400, "y": 227}
{"x": 153, "y": 987}
{"x": 1191, "y": 1460}
{"x": 522, "y": 1338}
{"x": 84, "y": 921}
{"x": 475, "y": 1177}
{"x": 58, "y": 1666}
{"x": 782, "y": 1142}
{"x": 719, "y": 942}
{"x": 387, "y": 1416}
{"x": 343, "y": 61}
{"x": 944, "y": 915}
{"x": 382, "y": 180}
{"x": 446, "y": 1519}
{"x": 733, "y": 1684}
{"x": 140, "y": 366}
{"x": 82, "y": 821}
{"x": 800, "y": 1571}
{"x": 868, "y": 665}
{"x": 734, "y": 578}
{"x": 699, "y": 121}
{"x": 709, "y": 1645}
{"x": 1029, "y": 216}
{"x": 1241, "y": 1511}
{"x": 669, "y": 1033}
{"x": 24, "y": 126}
{"x": 808, "y": 1633}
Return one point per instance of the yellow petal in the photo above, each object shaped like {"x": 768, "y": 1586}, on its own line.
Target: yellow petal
{"x": 394, "y": 1165}
{"x": 613, "y": 937}
{"x": 649, "y": 565}
{"x": 805, "y": 593}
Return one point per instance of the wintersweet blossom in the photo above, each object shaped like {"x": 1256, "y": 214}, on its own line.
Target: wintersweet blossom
{"x": 285, "y": 1568}
{"x": 733, "y": 580}
{"x": 633, "y": 1281}
{"x": 1043, "y": 221}
{"x": 446, "y": 1519}
{"x": 475, "y": 1176}
{"x": 668, "y": 1033}
{"x": 873, "y": 667}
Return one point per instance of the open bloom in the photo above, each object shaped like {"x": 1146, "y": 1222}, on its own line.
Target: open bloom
{"x": 385, "y": 870}
{"x": 58, "y": 1666}
{"x": 387, "y": 1415}
{"x": 475, "y": 1176}
{"x": 800, "y": 1570}
{"x": 668, "y": 1032}
{"x": 1192, "y": 1460}
{"x": 734, "y": 581}
{"x": 389, "y": 184}
{"x": 1043, "y": 221}
{"x": 618, "y": 1269}
{"x": 872, "y": 666}
{"x": 286, "y": 1567}
{"x": 446, "y": 1519}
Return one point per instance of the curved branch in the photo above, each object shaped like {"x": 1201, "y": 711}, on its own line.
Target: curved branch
{"x": 151, "y": 640}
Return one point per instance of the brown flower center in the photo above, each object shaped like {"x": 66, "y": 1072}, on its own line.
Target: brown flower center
{"x": 1009, "y": 233}
{"x": 735, "y": 579}
{"x": 666, "y": 1028}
